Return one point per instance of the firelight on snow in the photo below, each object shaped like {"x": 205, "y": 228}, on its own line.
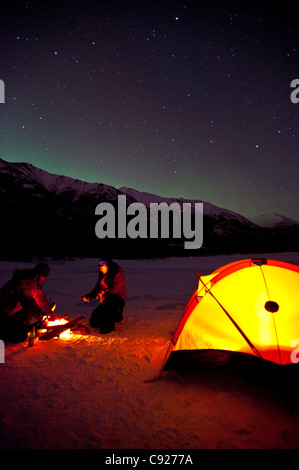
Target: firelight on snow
{"x": 90, "y": 392}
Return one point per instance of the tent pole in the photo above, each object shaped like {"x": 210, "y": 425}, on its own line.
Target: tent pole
{"x": 274, "y": 325}
{"x": 256, "y": 352}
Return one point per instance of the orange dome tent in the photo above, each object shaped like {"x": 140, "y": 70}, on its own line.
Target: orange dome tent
{"x": 249, "y": 307}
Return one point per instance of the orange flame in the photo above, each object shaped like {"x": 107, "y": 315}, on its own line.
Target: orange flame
{"x": 58, "y": 321}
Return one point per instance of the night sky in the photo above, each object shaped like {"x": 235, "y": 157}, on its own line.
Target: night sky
{"x": 180, "y": 98}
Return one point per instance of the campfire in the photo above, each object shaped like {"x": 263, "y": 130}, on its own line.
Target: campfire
{"x": 59, "y": 327}
{"x": 49, "y": 323}
{"x": 56, "y": 322}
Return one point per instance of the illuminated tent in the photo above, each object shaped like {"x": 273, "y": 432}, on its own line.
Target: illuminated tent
{"x": 247, "y": 309}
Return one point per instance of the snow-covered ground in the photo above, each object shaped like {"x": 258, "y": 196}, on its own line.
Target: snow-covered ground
{"x": 95, "y": 391}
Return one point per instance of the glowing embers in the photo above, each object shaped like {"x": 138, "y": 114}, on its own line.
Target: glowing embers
{"x": 59, "y": 321}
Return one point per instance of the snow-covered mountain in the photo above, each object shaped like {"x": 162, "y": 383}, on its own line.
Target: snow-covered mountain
{"x": 35, "y": 179}
{"x": 53, "y": 215}
{"x": 210, "y": 210}
{"x": 274, "y": 220}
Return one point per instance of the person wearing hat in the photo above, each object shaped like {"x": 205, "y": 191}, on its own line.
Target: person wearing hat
{"x": 110, "y": 289}
{"x": 19, "y": 305}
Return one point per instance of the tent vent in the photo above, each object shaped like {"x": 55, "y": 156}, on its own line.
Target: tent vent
{"x": 259, "y": 262}
{"x": 271, "y": 306}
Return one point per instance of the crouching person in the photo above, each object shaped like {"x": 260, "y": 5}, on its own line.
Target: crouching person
{"x": 42, "y": 271}
{"x": 110, "y": 289}
{"x": 18, "y": 307}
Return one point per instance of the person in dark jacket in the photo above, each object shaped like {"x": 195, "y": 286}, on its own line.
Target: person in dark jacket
{"x": 18, "y": 306}
{"x": 110, "y": 289}
{"x": 42, "y": 271}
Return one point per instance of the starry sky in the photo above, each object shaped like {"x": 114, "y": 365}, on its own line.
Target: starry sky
{"x": 179, "y": 98}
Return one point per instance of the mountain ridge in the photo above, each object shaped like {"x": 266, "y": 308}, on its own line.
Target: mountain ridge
{"x": 61, "y": 183}
{"x": 62, "y": 209}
